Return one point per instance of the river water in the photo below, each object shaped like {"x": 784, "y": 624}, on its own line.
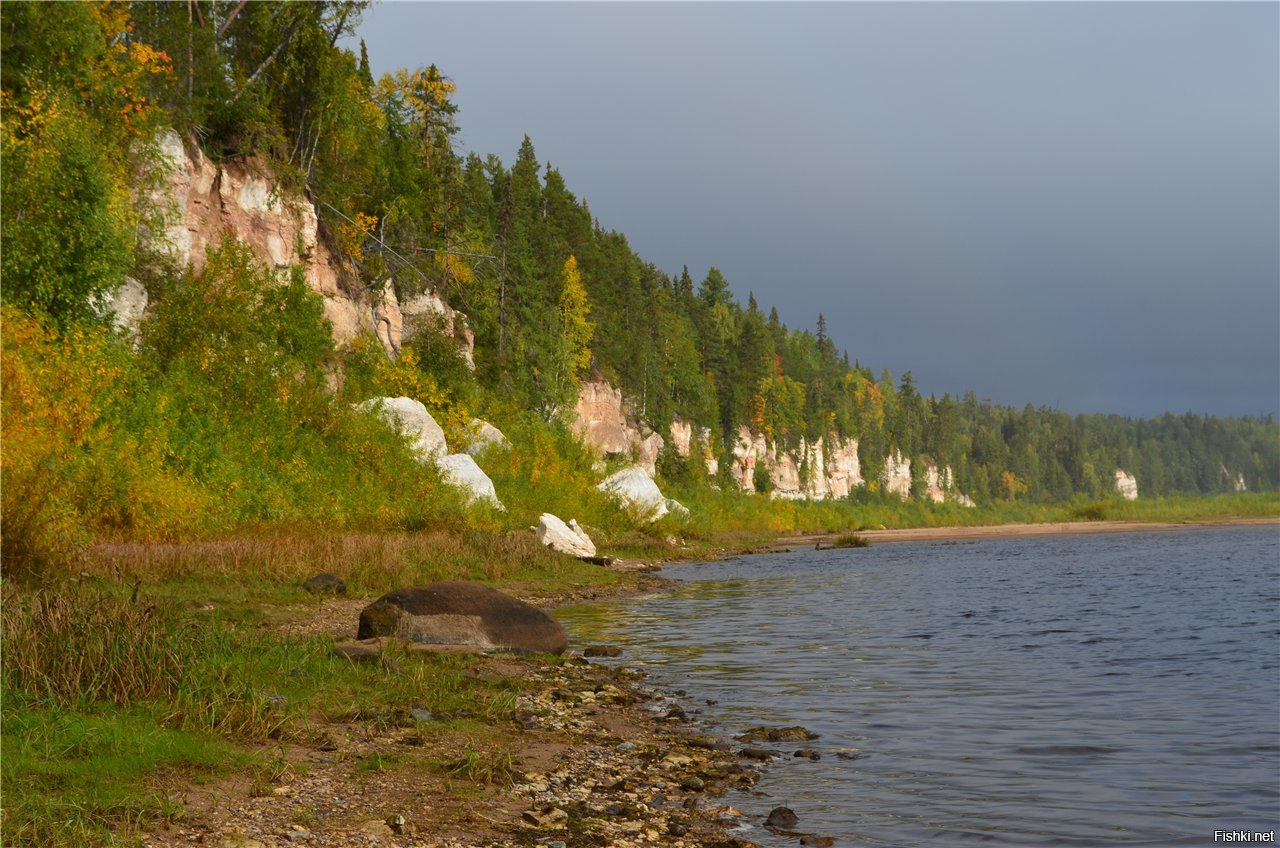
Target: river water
{"x": 1072, "y": 690}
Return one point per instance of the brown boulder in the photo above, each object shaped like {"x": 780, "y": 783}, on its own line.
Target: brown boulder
{"x": 459, "y": 613}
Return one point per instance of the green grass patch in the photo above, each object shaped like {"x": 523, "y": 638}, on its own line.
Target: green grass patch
{"x": 76, "y": 777}
{"x": 110, "y": 695}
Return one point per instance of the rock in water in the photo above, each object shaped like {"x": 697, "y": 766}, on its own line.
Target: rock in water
{"x": 566, "y": 538}
{"x": 459, "y": 613}
{"x": 781, "y": 817}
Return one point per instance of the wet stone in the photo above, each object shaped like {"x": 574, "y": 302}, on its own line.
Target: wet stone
{"x": 781, "y": 817}
{"x": 777, "y": 734}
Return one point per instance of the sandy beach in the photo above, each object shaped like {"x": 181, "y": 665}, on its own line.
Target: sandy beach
{"x": 1010, "y": 531}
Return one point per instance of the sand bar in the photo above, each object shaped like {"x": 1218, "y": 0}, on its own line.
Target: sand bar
{"x": 1009, "y": 531}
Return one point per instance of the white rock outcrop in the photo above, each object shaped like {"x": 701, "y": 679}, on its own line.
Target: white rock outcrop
{"x": 416, "y": 311}
{"x": 125, "y": 306}
{"x": 412, "y": 419}
{"x": 1126, "y": 485}
{"x": 637, "y": 492}
{"x": 897, "y": 475}
{"x": 482, "y": 436}
{"x": 566, "y": 538}
{"x": 460, "y": 471}
{"x": 682, "y": 437}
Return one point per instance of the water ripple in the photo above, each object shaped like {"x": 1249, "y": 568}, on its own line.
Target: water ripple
{"x": 1052, "y": 691}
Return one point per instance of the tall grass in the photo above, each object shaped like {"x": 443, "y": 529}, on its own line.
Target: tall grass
{"x": 104, "y": 689}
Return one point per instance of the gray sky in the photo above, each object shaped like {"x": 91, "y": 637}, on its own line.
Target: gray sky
{"x": 1071, "y": 204}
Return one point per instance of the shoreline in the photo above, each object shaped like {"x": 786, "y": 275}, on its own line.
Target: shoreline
{"x": 1013, "y": 531}
{"x": 589, "y": 750}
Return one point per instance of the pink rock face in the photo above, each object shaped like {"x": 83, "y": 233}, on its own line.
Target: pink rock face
{"x": 605, "y": 424}
{"x": 843, "y": 470}
{"x": 205, "y": 203}
{"x": 599, "y": 419}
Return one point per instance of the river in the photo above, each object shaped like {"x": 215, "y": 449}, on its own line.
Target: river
{"x": 1068, "y": 690}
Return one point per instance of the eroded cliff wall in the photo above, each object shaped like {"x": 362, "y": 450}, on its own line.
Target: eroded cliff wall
{"x": 205, "y": 203}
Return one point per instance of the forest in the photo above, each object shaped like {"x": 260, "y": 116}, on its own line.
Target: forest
{"x": 552, "y": 294}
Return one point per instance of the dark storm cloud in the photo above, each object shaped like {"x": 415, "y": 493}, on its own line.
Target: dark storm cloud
{"x": 1075, "y": 205}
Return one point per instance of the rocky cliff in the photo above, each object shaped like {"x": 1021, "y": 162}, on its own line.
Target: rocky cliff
{"x": 205, "y": 203}
{"x": 817, "y": 471}
{"x": 612, "y": 429}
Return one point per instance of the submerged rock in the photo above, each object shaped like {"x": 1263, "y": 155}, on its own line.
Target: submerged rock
{"x": 460, "y": 613}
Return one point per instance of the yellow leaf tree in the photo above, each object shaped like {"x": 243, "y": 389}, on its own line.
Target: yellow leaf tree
{"x": 570, "y": 354}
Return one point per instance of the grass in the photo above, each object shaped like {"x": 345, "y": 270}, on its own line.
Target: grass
{"x": 849, "y": 540}
{"x": 110, "y": 694}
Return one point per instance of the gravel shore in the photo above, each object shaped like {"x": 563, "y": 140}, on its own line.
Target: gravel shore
{"x": 588, "y": 756}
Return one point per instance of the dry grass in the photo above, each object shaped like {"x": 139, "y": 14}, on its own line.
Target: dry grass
{"x": 368, "y": 562}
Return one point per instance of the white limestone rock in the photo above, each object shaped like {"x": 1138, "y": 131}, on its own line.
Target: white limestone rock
{"x": 1126, "y": 485}
{"x": 897, "y": 475}
{"x": 566, "y": 538}
{"x": 677, "y": 509}
{"x": 483, "y": 436}
{"x": 412, "y": 419}
{"x": 637, "y": 492}
{"x": 460, "y": 471}
{"x": 125, "y": 306}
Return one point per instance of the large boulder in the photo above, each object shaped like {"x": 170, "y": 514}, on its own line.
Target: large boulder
{"x": 566, "y": 538}
{"x": 412, "y": 419}
{"x": 460, "y": 470}
{"x": 482, "y": 436}
{"x": 637, "y": 492}
{"x": 459, "y": 613}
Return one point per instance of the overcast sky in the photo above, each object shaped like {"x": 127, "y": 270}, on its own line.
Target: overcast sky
{"x": 1074, "y": 205}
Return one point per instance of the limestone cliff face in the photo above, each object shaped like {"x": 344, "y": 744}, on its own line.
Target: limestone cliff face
{"x": 807, "y": 472}
{"x": 682, "y": 438}
{"x": 826, "y": 469}
{"x": 940, "y": 486}
{"x": 608, "y": 426}
{"x": 897, "y": 475}
{"x": 1126, "y": 485}
{"x": 205, "y": 203}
